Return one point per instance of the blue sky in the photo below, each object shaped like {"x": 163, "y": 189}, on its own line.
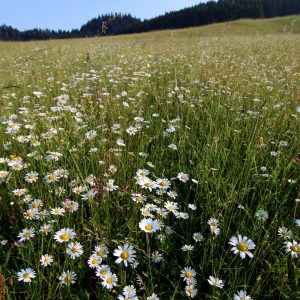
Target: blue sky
{"x": 69, "y": 14}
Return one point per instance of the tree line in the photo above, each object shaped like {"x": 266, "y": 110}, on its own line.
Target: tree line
{"x": 201, "y": 14}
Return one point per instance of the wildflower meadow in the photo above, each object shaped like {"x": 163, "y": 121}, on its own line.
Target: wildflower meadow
{"x": 162, "y": 165}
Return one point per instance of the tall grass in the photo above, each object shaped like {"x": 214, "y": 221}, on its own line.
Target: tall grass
{"x": 228, "y": 102}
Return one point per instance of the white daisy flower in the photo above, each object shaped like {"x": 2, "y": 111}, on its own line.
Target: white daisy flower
{"x": 192, "y": 206}
{"x": 172, "y": 194}
{"x": 36, "y": 204}
{"x": 57, "y": 211}
{"x": 26, "y": 234}
{"x": 3, "y": 175}
{"x": 183, "y": 177}
{"x": 125, "y": 253}
{"x": 149, "y": 225}
{"x": 216, "y": 282}
{"x": 102, "y": 270}
{"x": 142, "y": 173}
{"x": 131, "y": 130}
{"x": 74, "y": 250}
{"x": 241, "y": 295}
{"x": 101, "y": 251}
{"x": 242, "y": 245}
{"x": 78, "y": 189}
{"x": 67, "y": 278}
{"x": 64, "y": 235}
{"x": 94, "y": 261}
{"x": 26, "y": 275}
{"x": 198, "y": 237}
{"x": 153, "y": 297}
{"x": 46, "y": 228}
{"x": 171, "y": 206}
{"x": 284, "y": 233}
{"x": 213, "y": 222}
{"x": 51, "y": 178}
{"x": 110, "y": 186}
{"x": 31, "y": 177}
{"x": 187, "y": 273}
{"x": 156, "y": 257}
{"x": 91, "y": 134}
{"x": 187, "y": 248}
{"x": 109, "y": 280}
{"x": 46, "y": 260}
{"x": 163, "y": 183}
{"x": 129, "y": 292}
{"x": 191, "y": 291}
{"x": 293, "y": 248}
{"x": 31, "y": 214}
{"x": 146, "y": 183}
{"x": 138, "y": 198}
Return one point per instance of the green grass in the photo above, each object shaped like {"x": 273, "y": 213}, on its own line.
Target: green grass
{"x": 226, "y": 95}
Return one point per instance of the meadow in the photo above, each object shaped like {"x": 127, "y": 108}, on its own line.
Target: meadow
{"x": 162, "y": 165}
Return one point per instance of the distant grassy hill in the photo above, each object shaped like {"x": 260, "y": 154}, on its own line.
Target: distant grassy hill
{"x": 289, "y": 24}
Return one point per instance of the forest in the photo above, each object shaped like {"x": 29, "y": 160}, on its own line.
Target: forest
{"x": 201, "y": 14}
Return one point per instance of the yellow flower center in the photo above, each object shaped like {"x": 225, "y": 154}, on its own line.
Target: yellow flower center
{"x": 124, "y": 255}
{"x": 191, "y": 291}
{"x": 147, "y": 184}
{"x": 163, "y": 183}
{"x": 74, "y": 250}
{"x": 46, "y": 260}
{"x": 51, "y": 177}
{"x": 103, "y": 272}
{"x": 188, "y": 274}
{"x": 26, "y": 276}
{"x": 242, "y": 246}
{"x": 100, "y": 253}
{"x": 94, "y": 262}
{"x": 27, "y": 234}
{"x": 68, "y": 278}
{"x": 148, "y": 227}
{"x": 109, "y": 280}
{"x": 35, "y": 205}
{"x": 64, "y": 236}
{"x": 294, "y": 248}
{"x": 30, "y": 214}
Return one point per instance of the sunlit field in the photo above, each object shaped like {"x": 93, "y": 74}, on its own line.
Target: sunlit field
{"x": 152, "y": 166}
